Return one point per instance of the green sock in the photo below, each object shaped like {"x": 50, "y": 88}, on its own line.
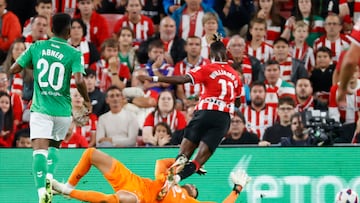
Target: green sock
{"x": 52, "y": 161}
{"x": 40, "y": 167}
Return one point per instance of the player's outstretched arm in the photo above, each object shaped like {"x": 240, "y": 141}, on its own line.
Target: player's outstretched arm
{"x": 240, "y": 178}
{"x": 179, "y": 79}
{"x": 15, "y": 68}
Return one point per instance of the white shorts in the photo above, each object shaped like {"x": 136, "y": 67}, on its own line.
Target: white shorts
{"x": 48, "y": 127}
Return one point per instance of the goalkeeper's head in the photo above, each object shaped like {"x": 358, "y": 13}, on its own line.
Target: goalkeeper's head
{"x": 191, "y": 190}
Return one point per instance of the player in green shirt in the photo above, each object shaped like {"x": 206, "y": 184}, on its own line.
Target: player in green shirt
{"x": 53, "y": 62}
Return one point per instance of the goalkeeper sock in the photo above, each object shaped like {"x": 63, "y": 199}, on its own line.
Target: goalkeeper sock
{"x": 189, "y": 169}
{"x": 93, "y": 196}
{"x": 40, "y": 170}
{"x": 52, "y": 160}
{"x": 81, "y": 168}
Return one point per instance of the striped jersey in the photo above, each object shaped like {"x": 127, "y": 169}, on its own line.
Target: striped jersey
{"x": 222, "y": 86}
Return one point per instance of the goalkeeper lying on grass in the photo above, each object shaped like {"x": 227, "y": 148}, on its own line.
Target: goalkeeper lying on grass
{"x": 131, "y": 188}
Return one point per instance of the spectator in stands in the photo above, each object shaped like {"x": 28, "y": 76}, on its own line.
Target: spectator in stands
{"x": 127, "y": 53}
{"x": 158, "y": 66}
{"x": 16, "y": 102}
{"x": 42, "y": 8}
{"x": 39, "y": 27}
{"x": 16, "y": 81}
{"x": 96, "y": 24}
{"x": 154, "y": 10}
{"x": 300, "y": 50}
{"x": 174, "y": 45}
{"x": 7, "y": 133}
{"x": 258, "y": 116}
{"x": 77, "y": 39}
{"x": 273, "y": 134}
{"x": 269, "y": 11}
{"x": 97, "y": 97}
{"x": 10, "y": 29}
{"x": 321, "y": 76}
{"x": 189, "y": 16}
{"x": 140, "y": 100}
{"x": 89, "y": 129}
{"x": 275, "y": 86}
{"x": 162, "y": 133}
{"x": 70, "y": 6}
{"x": 237, "y": 132}
{"x": 300, "y": 137}
{"x": 170, "y": 5}
{"x": 350, "y": 114}
{"x": 304, "y": 97}
{"x": 333, "y": 39}
{"x": 250, "y": 66}
{"x": 210, "y": 25}
{"x": 257, "y": 47}
{"x": 187, "y": 92}
{"x": 305, "y": 11}
{"x": 142, "y": 26}
{"x": 109, "y": 70}
{"x": 74, "y": 139}
{"x": 290, "y": 69}
{"x": 22, "y": 138}
{"x": 118, "y": 127}
{"x": 228, "y": 10}
{"x": 164, "y": 112}
{"x": 344, "y": 8}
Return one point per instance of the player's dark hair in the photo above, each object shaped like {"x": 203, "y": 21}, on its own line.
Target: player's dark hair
{"x": 82, "y": 24}
{"x": 324, "y": 50}
{"x": 218, "y": 49}
{"x": 286, "y": 100}
{"x": 61, "y": 23}
{"x": 44, "y": 2}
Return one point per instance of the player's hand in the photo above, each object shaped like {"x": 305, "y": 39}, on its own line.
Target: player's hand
{"x": 240, "y": 177}
{"x": 144, "y": 78}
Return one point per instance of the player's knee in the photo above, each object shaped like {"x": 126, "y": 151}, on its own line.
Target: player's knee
{"x": 126, "y": 197}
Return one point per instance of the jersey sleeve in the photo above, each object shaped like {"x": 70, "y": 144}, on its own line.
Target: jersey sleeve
{"x": 25, "y": 59}
{"x": 78, "y": 63}
{"x": 197, "y": 74}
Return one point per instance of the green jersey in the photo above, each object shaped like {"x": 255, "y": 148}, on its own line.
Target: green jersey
{"x": 53, "y": 61}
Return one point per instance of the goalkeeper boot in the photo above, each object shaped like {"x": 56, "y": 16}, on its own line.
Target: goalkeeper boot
{"x": 179, "y": 164}
{"x": 61, "y": 188}
{"x": 170, "y": 181}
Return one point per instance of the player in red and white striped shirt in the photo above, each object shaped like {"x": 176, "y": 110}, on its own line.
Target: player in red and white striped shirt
{"x": 258, "y": 115}
{"x": 257, "y": 47}
{"x": 333, "y": 39}
{"x": 142, "y": 26}
{"x": 212, "y": 114}
{"x": 193, "y": 59}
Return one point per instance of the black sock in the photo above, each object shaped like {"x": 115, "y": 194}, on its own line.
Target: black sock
{"x": 188, "y": 170}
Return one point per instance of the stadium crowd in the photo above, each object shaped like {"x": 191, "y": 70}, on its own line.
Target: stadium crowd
{"x": 287, "y": 53}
